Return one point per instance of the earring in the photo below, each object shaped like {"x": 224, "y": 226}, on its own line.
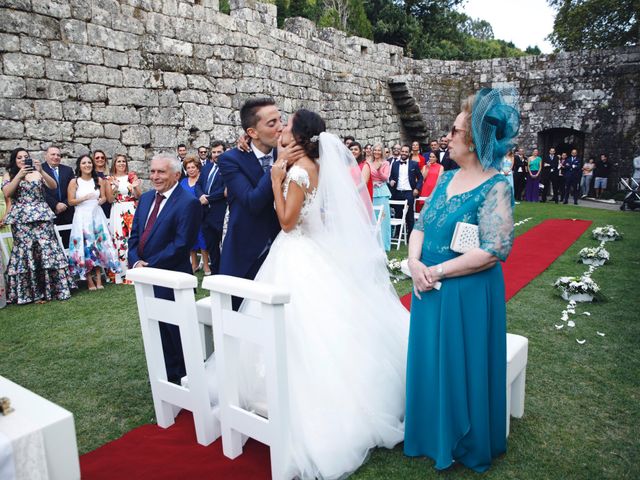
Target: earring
{"x": 471, "y": 148}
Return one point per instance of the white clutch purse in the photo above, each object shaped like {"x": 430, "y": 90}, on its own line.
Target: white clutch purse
{"x": 465, "y": 237}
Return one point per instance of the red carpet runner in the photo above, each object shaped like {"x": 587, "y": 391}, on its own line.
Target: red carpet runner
{"x": 150, "y": 452}
{"x": 533, "y": 252}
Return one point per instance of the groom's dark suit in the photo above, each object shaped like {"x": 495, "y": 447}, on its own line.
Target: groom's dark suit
{"x": 253, "y": 223}
{"x": 212, "y": 213}
{"x": 167, "y": 246}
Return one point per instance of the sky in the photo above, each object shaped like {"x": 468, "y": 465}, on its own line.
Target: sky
{"x": 523, "y": 22}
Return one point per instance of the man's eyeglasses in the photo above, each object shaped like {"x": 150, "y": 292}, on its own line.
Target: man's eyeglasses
{"x": 202, "y": 152}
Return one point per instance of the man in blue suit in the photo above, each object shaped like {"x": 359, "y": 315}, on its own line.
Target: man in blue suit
{"x": 572, "y": 176}
{"x": 211, "y": 191}
{"x": 405, "y": 181}
{"x": 56, "y": 198}
{"x": 253, "y": 223}
{"x": 165, "y": 226}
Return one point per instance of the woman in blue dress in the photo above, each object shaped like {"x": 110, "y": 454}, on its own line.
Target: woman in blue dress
{"x": 192, "y": 166}
{"x": 456, "y": 370}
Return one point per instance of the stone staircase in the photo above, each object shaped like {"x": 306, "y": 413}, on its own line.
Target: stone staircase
{"x": 409, "y": 111}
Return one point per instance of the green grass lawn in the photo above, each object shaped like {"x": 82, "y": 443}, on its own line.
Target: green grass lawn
{"x": 582, "y": 411}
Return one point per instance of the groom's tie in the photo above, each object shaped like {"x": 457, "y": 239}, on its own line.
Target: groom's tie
{"x": 266, "y": 162}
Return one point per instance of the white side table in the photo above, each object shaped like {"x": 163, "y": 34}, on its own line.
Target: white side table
{"x": 33, "y": 413}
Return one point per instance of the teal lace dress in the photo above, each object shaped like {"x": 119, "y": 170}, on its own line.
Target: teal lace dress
{"x": 456, "y": 368}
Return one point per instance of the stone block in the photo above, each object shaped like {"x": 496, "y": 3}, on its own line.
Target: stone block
{"x": 186, "y": 30}
{"x": 100, "y": 16}
{"x": 112, "y": 131}
{"x": 116, "y": 114}
{"x": 31, "y": 24}
{"x": 136, "y": 59}
{"x": 109, "y": 146}
{"x": 175, "y": 47}
{"x": 141, "y": 97}
{"x": 23, "y": 65}
{"x": 76, "y": 111}
{"x": 137, "y": 159}
{"x": 91, "y": 92}
{"x": 76, "y": 53}
{"x": 115, "y": 59}
{"x": 34, "y": 46}
{"x": 80, "y": 9}
{"x": 162, "y": 116}
{"x": 66, "y": 71}
{"x": 198, "y": 116}
{"x": 53, "y": 130}
{"x": 199, "y": 82}
{"x": 193, "y": 96}
{"x": 164, "y": 137}
{"x": 11, "y": 129}
{"x": 10, "y": 43}
{"x": 203, "y": 51}
{"x": 88, "y": 129}
{"x": 127, "y": 24}
{"x": 167, "y": 98}
{"x": 170, "y": 8}
{"x": 185, "y": 10}
{"x": 12, "y": 87}
{"x": 52, "y": 8}
{"x": 108, "y": 38}
{"x": 74, "y": 31}
{"x": 104, "y": 75}
{"x": 160, "y": 24}
{"x": 214, "y": 68}
{"x": 47, "y": 109}
{"x": 135, "y": 135}
{"x": 175, "y": 80}
{"x": 225, "y": 85}
{"x": 49, "y": 89}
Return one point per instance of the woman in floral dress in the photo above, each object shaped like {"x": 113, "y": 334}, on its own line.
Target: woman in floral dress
{"x": 125, "y": 188}
{"x": 90, "y": 245}
{"x": 37, "y": 270}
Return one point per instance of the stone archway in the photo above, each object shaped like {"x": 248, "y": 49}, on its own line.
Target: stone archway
{"x": 562, "y": 139}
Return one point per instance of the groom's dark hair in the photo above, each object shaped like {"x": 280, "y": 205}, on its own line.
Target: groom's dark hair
{"x": 249, "y": 111}
{"x": 307, "y": 126}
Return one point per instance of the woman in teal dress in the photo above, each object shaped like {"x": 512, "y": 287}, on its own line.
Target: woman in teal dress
{"x": 456, "y": 368}
{"x": 532, "y": 190}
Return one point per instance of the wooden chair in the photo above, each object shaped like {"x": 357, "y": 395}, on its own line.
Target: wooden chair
{"x": 229, "y": 330}
{"x": 400, "y": 223}
{"x": 168, "y": 398}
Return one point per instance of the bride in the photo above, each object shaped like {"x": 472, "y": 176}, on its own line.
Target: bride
{"x": 345, "y": 326}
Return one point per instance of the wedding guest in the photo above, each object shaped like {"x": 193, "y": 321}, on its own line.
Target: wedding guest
{"x": 519, "y": 174}
{"x": 91, "y": 247}
{"x": 387, "y": 152}
{"x": 572, "y": 174}
{"x": 532, "y": 191}
{"x": 364, "y": 166}
{"x": 192, "y": 166}
{"x": 456, "y": 371}
{"x": 405, "y": 181}
{"x": 561, "y": 181}
{"x": 100, "y": 161}
{"x": 507, "y": 167}
{"x": 125, "y": 188}
{"x": 368, "y": 152}
{"x": 37, "y": 270}
{"x": 601, "y": 174}
{"x": 5, "y": 206}
{"x": 57, "y": 197}
{"x": 395, "y": 154}
{"x": 181, "y": 152}
{"x": 551, "y": 163}
{"x": 203, "y": 155}
{"x": 431, "y": 171}
{"x": 348, "y": 140}
{"x": 587, "y": 175}
{"x": 380, "y": 170}
{"x": 416, "y": 154}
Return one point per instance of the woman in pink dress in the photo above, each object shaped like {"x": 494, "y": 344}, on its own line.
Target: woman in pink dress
{"x": 430, "y": 172}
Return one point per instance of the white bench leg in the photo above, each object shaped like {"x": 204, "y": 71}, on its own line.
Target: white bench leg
{"x": 517, "y": 395}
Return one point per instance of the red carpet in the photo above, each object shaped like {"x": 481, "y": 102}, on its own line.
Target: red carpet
{"x": 151, "y": 452}
{"x": 533, "y": 252}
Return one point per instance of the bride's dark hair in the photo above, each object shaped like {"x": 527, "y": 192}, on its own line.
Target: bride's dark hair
{"x": 307, "y": 126}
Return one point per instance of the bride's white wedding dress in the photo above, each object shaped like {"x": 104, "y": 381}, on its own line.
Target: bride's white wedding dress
{"x": 346, "y": 333}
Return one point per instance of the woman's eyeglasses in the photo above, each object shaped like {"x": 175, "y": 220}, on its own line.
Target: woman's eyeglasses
{"x": 454, "y": 129}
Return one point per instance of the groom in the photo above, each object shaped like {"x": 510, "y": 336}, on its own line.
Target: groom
{"x": 253, "y": 223}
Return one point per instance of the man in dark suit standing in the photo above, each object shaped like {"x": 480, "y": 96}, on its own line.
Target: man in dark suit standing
{"x": 56, "y": 198}
{"x": 165, "y": 226}
{"x": 443, "y": 156}
{"x": 572, "y": 175}
{"x": 519, "y": 174}
{"x": 405, "y": 181}
{"x": 550, "y": 175}
{"x": 253, "y": 223}
{"x": 211, "y": 191}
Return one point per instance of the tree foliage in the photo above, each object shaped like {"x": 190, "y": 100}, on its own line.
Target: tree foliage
{"x": 587, "y": 24}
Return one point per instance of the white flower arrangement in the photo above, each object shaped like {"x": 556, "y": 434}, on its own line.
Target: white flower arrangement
{"x": 607, "y": 233}
{"x": 580, "y": 289}
{"x": 394, "y": 265}
{"x": 594, "y": 255}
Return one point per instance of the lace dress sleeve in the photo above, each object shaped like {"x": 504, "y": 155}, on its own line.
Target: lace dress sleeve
{"x": 495, "y": 221}
{"x": 300, "y": 176}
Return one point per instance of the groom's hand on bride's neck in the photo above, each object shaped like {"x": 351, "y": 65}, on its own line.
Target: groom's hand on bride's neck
{"x": 291, "y": 153}
{"x": 244, "y": 142}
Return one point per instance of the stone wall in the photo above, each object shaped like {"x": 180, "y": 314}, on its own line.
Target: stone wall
{"x": 141, "y": 76}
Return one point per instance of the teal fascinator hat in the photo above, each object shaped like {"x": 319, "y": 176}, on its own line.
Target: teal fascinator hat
{"x": 495, "y": 121}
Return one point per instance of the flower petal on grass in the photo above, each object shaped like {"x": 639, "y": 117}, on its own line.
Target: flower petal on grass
{"x": 558, "y": 327}
{"x": 586, "y": 313}
{"x": 571, "y": 324}
{"x": 600, "y": 333}
{"x": 581, "y": 342}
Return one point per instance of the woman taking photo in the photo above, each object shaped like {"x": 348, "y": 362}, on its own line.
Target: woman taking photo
{"x": 125, "y": 192}
{"x": 100, "y": 161}
{"x": 380, "y": 170}
{"x": 90, "y": 244}
{"x": 38, "y": 270}
{"x": 456, "y": 370}
{"x": 532, "y": 190}
{"x": 192, "y": 166}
